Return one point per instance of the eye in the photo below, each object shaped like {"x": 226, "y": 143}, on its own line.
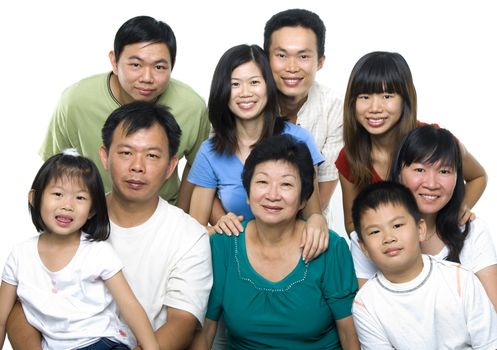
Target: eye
{"x": 135, "y": 65}
{"x": 397, "y": 226}
{"x": 363, "y": 97}
{"x": 287, "y": 184}
{"x": 255, "y": 82}
{"x": 445, "y": 171}
{"x": 261, "y": 182}
{"x": 388, "y": 96}
{"x": 57, "y": 194}
{"x": 124, "y": 153}
{"x": 373, "y": 232}
{"x": 153, "y": 156}
{"x": 419, "y": 170}
{"x": 235, "y": 84}
{"x": 280, "y": 55}
{"x": 81, "y": 198}
{"x": 304, "y": 57}
{"x": 160, "y": 67}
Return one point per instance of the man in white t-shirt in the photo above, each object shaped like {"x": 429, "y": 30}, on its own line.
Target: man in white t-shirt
{"x": 165, "y": 252}
{"x": 414, "y": 301}
{"x": 294, "y": 43}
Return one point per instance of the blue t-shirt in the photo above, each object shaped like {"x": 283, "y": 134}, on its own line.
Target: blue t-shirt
{"x": 297, "y": 312}
{"x": 224, "y": 172}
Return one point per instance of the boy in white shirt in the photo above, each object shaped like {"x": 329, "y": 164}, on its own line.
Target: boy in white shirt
{"x": 413, "y": 301}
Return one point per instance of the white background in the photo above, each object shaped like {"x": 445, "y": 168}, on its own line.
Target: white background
{"x": 48, "y": 45}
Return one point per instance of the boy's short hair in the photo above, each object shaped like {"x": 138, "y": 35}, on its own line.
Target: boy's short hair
{"x": 383, "y": 193}
{"x": 140, "y": 115}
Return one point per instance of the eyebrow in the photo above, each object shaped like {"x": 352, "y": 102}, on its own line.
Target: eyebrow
{"x": 300, "y": 51}
{"x": 152, "y": 148}
{"x": 138, "y": 58}
{"x": 389, "y": 221}
{"x": 252, "y": 77}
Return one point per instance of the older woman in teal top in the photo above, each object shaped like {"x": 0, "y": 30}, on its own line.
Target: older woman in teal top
{"x": 269, "y": 296}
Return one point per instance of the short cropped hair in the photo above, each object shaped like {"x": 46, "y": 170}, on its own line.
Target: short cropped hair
{"x": 140, "y": 115}
{"x": 73, "y": 167}
{"x": 285, "y": 148}
{"x": 145, "y": 29}
{"x": 383, "y": 193}
{"x": 296, "y": 18}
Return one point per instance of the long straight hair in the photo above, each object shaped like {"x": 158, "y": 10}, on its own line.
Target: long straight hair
{"x": 429, "y": 145}
{"x": 221, "y": 117}
{"x": 376, "y": 72}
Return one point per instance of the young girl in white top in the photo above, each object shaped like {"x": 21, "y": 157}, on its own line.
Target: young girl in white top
{"x": 67, "y": 278}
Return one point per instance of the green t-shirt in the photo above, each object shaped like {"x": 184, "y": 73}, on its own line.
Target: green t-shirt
{"x": 298, "y": 312}
{"x": 83, "y": 108}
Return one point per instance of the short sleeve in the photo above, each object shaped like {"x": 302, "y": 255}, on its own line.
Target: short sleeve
{"x": 342, "y": 164}
{"x": 9, "y": 274}
{"x": 112, "y": 263}
{"x": 202, "y": 171}
{"x": 364, "y": 266}
{"x": 340, "y": 282}
{"x": 202, "y": 134}
{"x": 479, "y": 249}
{"x": 56, "y": 137}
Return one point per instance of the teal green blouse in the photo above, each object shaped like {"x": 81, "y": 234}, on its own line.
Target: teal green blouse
{"x": 298, "y": 312}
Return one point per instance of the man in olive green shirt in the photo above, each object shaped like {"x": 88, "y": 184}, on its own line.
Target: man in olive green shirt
{"x": 142, "y": 60}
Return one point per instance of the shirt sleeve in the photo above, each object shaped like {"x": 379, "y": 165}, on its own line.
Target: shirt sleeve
{"x": 333, "y": 143}
{"x": 305, "y": 136}
{"x": 364, "y": 266}
{"x": 340, "y": 282}
{"x": 369, "y": 330}
{"x": 190, "y": 281}
{"x": 202, "y": 171}
{"x": 203, "y": 133}
{"x": 219, "y": 269}
{"x": 481, "y": 245}
{"x": 56, "y": 137}
{"x": 9, "y": 274}
{"x": 112, "y": 265}
{"x": 342, "y": 164}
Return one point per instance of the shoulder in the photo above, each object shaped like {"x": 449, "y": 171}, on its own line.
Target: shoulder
{"x": 86, "y": 85}
{"x": 178, "y": 92}
{"x": 181, "y": 225}
{"x": 296, "y": 131}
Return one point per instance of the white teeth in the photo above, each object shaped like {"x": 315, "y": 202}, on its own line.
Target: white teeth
{"x": 291, "y": 81}
{"x": 246, "y": 104}
{"x": 429, "y": 197}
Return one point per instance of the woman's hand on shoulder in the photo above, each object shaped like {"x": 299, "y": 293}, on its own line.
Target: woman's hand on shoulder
{"x": 229, "y": 224}
{"x": 315, "y": 237}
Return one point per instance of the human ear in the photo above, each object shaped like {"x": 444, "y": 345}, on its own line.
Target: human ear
{"x": 321, "y": 61}
{"x": 31, "y": 197}
{"x": 363, "y": 247}
{"x": 173, "y": 162}
{"x": 113, "y": 62}
{"x": 422, "y": 230}
{"x": 104, "y": 156}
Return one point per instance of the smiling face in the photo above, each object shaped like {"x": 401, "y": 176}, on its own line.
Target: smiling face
{"x": 294, "y": 60}
{"x": 143, "y": 72}
{"x": 138, "y": 164}
{"x": 391, "y": 237}
{"x": 248, "y": 91}
{"x": 65, "y": 206}
{"x": 275, "y": 191}
{"x": 378, "y": 113}
{"x": 431, "y": 184}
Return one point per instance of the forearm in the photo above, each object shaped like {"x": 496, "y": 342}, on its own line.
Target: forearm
{"x": 137, "y": 320}
{"x": 217, "y": 211}
{"x": 312, "y": 206}
{"x": 178, "y": 331}
{"x": 185, "y": 191}
{"x": 474, "y": 189}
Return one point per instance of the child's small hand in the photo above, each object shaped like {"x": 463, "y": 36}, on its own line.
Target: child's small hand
{"x": 229, "y": 224}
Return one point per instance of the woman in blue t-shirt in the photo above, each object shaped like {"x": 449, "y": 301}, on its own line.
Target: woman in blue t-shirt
{"x": 243, "y": 110}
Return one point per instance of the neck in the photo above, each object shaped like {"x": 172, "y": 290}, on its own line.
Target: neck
{"x": 290, "y": 106}
{"x": 127, "y": 213}
{"x": 405, "y": 276}
{"x": 274, "y": 235}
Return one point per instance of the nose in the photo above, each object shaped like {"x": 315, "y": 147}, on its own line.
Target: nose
{"x": 137, "y": 164}
{"x": 68, "y": 205}
{"x": 376, "y": 104}
{"x": 430, "y": 179}
{"x": 291, "y": 65}
{"x": 273, "y": 193}
{"x": 389, "y": 237}
{"x": 246, "y": 90}
{"x": 147, "y": 75}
